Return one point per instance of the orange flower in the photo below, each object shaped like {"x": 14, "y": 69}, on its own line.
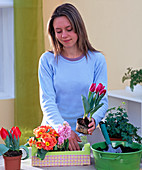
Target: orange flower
{"x": 39, "y": 131}
{"x": 48, "y": 144}
{"x": 47, "y": 127}
{"x": 31, "y": 141}
{"x": 54, "y": 139}
{"x": 53, "y": 133}
{"x": 39, "y": 144}
{"x": 45, "y": 135}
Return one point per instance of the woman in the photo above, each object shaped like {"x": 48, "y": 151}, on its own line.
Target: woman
{"x": 67, "y": 72}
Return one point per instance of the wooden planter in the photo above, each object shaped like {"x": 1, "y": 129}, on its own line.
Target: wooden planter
{"x": 63, "y": 158}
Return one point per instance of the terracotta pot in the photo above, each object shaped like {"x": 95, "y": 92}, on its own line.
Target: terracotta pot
{"x": 12, "y": 163}
{"x": 115, "y": 139}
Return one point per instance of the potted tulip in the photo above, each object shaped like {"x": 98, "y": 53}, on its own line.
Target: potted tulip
{"x": 11, "y": 150}
{"x": 91, "y": 104}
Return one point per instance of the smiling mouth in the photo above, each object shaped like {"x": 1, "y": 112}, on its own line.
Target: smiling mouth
{"x": 66, "y": 41}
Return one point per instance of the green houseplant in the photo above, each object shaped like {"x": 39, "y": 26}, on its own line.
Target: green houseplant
{"x": 135, "y": 77}
{"x": 118, "y": 125}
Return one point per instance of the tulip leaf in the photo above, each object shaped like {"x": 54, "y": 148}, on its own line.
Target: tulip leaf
{"x": 7, "y": 141}
{"x": 91, "y": 100}
{"x": 16, "y": 143}
{"x": 95, "y": 109}
{"x": 96, "y": 98}
{"x": 10, "y": 139}
{"x": 99, "y": 98}
{"x": 85, "y": 105}
{"x": 3, "y": 149}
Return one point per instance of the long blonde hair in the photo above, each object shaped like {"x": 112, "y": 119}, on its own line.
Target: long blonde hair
{"x": 77, "y": 23}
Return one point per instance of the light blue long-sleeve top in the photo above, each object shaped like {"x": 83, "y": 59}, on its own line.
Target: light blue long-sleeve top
{"x": 63, "y": 82}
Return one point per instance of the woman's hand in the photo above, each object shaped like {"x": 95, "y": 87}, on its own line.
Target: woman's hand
{"x": 73, "y": 141}
{"x": 92, "y": 126}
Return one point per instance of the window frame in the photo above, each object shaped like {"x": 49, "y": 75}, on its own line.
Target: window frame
{"x": 7, "y": 48}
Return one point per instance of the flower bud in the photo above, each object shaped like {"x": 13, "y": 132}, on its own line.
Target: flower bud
{"x": 99, "y": 87}
{"x": 4, "y": 133}
{"x": 93, "y": 87}
{"x": 103, "y": 91}
{"x": 15, "y": 131}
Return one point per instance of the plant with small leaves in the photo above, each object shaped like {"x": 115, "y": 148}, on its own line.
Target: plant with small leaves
{"x": 118, "y": 126}
{"x": 135, "y": 77}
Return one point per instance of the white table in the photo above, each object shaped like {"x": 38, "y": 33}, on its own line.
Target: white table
{"x": 133, "y": 105}
{"x": 26, "y": 165}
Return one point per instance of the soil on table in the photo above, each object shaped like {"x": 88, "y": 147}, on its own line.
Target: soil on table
{"x": 11, "y": 153}
{"x": 123, "y": 148}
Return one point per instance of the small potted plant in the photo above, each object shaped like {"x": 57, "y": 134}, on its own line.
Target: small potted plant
{"x": 135, "y": 77}
{"x": 91, "y": 104}
{"x": 11, "y": 150}
{"x": 119, "y": 127}
{"x": 49, "y": 145}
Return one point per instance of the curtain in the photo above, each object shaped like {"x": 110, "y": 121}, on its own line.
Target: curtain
{"x": 28, "y": 46}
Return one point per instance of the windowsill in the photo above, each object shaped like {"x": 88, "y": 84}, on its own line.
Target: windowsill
{"x": 4, "y": 96}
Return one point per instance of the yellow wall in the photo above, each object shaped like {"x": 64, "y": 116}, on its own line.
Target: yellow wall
{"x": 48, "y": 8}
{"x": 6, "y": 114}
{"x": 114, "y": 27}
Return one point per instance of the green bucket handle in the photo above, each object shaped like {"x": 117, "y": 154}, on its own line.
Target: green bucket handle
{"x": 117, "y": 158}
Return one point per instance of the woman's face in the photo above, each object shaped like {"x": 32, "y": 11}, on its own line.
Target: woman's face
{"x": 64, "y": 32}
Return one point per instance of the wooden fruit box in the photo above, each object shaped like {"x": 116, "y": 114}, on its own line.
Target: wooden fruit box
{"x": 63, "y": 158}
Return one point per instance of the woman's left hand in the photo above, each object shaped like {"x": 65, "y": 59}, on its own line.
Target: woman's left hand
{"x": 92, "y": 126}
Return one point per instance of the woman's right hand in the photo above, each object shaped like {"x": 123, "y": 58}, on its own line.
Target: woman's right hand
{"x": 73, "y": 141}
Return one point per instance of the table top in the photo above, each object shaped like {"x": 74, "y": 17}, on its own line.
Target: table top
{"x": 26, "y": 165}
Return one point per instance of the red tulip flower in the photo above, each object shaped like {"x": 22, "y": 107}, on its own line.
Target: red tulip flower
{"x": 103, "y": 91}
{"x": 4, "y": 133}
{"x": 99, "y": 87}
{"x": 93, "y": 87}
{"x": 15, "y": 131}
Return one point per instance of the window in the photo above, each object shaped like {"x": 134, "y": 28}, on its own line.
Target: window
{"x": 6, "y": 49}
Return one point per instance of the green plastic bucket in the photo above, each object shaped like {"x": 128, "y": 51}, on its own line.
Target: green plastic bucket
{"x": 117, "y": 161}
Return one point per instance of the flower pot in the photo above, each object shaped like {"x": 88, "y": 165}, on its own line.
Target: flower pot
{"x": 115, "y": 139}
{"x": 117, "y": 161}
{"x": 12, "y": 163}
{"x": 82, "y": 125}
{"x": 62, "y": 158}
{"x": 137, "y": 90}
